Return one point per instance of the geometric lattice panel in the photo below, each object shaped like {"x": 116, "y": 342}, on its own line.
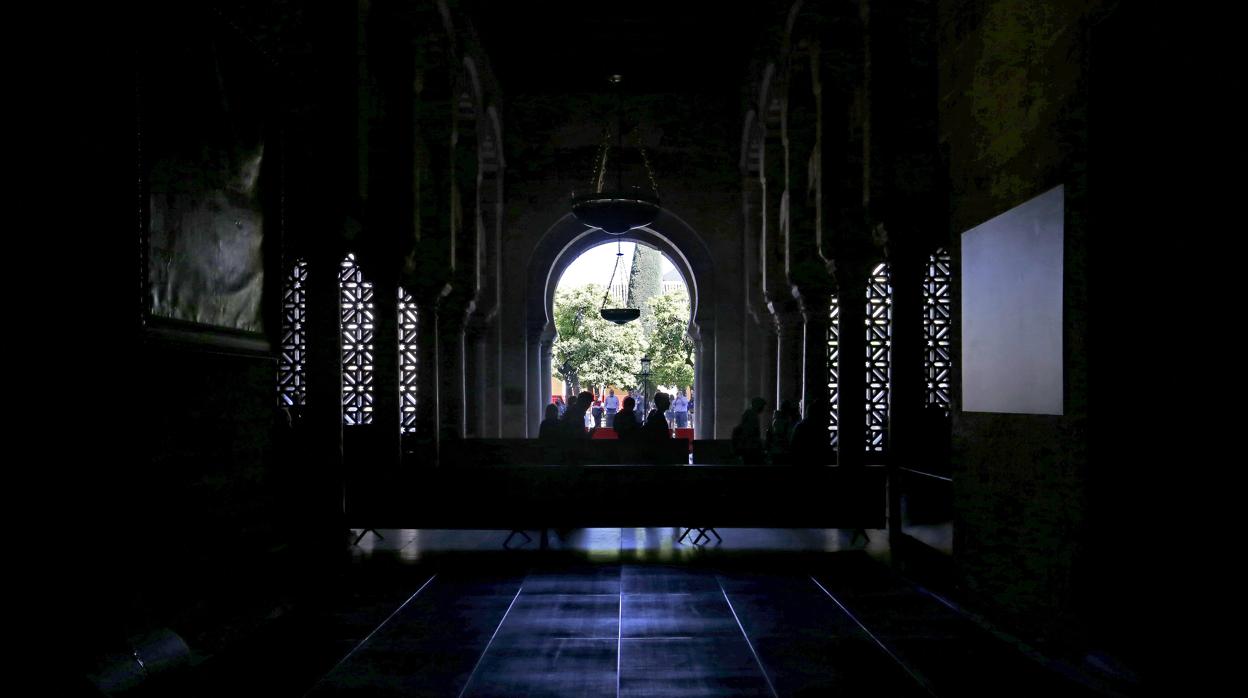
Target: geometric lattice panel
{"x": 292, "y": 387}
{"x": 834, "y": 371}
{"x": 937, "y": 326}
{"x": 356, "y": 322}
{"x": 879, "y": 325}
{"x": 407, "y": 363}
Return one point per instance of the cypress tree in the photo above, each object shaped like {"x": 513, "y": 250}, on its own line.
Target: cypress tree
{"x": 645, "y": 282}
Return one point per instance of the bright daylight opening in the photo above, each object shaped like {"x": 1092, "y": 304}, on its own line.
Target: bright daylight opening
{"x": 605, "y": 358}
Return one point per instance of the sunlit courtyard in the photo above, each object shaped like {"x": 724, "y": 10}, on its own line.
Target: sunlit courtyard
{"x": 638, "y": 358}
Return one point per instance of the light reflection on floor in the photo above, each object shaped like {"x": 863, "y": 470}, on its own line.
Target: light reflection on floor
{"x": 936, "y": 536}
{"x": 618, "y": 544}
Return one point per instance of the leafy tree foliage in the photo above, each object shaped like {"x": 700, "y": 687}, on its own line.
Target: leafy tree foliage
{"x": 669, "y": 347}
{"x": 597, "y": 351}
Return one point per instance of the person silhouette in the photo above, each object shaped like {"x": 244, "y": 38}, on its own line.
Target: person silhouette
{"x": 573, "y": 421}
{"x": 780, "y": 435}
{"x": 656, "y": 423}
{"x": 626, "y": 420}
{"x": 809, "y": 444}
{"x": 747, "y": 437}
{"x": 655, "y": 433}
{"x": 549, "y": 430}
{"x": 597, "y": 411}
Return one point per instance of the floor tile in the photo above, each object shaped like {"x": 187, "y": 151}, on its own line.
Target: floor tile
{"x": 561, "y": 615}
{"x": 645, "y": 579}
{"x": 576, "y": 581}
{"x": 701, "y": 614}
{"x": 547, "y": 667}
{"x": 690, "y": 667}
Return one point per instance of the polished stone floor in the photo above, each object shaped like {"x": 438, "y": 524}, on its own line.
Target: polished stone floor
{"x": 632, "y": 612}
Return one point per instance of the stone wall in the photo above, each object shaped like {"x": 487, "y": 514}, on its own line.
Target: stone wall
{"x": 1013, "y": 125}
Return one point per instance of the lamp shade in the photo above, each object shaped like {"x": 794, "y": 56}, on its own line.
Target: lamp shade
{"x": 617, "y": 212}
{"x": 620, "y": 316}
{"x": 645, "y": 365}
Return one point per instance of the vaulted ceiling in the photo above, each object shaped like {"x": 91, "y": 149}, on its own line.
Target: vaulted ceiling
{"x": 659, "y": 46}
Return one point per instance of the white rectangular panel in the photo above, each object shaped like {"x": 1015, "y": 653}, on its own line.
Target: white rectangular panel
{"x": 1012, "y": 309}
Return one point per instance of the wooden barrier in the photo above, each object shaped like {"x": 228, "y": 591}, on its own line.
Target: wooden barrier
{"x": 492, "y": 452}
{"x": 552, "y": 496}
{"x": 713, "y": 452}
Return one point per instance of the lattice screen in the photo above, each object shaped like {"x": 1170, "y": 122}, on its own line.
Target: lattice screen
{"x": 879, "y": 356}
{"x": 407, "y": 363}
{"x": 937, "y": 328}
{"x": 834, "y": 371}
{"x": 292, "y": 387}
{"x": 356, "y": 296}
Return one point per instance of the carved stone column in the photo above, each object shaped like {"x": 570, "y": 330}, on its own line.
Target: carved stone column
{"x": 790, "y": 348}
{"x": 771, "y": 342}
{"x": 451, "y": 394}
{"x": 815, "y": 308}
{"x": 706, "y": 405}
{"x": 386, "y": 373}
{"x": 543, "y": 347}
{"x": 474, "y": 379}
{"x": 323, "y": 415}
{"x": 906, "y": 409}
{"x": 425, "y": 440}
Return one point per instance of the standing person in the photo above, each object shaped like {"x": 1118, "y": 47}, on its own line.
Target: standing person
{"x": 597, "y": 410}
{"x": 680, "y": 410}
{"x": 780, "y": 436}
{"x": 612, "y": 405}
{"x": 655, "y": 433}
{"x": 747, "y": 437}
{"x": 637, "y": 416}
{"x": 809, "y": 442}
{"x": 549, "y": 429}
{"x": 656, "y": 424}
{"x": 559, "y": 405}
{"x": 626, "y": 420}
{"x": 574, "y": 420}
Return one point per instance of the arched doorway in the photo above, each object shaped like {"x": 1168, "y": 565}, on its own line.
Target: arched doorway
{"x": 591, "y": 353}
{"x": 567, "y": 240}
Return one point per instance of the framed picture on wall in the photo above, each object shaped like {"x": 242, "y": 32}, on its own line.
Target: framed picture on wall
{"x": 209, "y": 184}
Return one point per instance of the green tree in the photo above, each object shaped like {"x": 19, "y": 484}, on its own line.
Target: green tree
{"x": 669, "y": 346}
{"x": 598, "y": 352}
{"x": 645, "y": 281}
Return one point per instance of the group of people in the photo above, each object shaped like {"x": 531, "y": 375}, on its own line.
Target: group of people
{"x": 789, "y": 440}
{"x": 628, "y": 424}
{"x": 608, "y": 408}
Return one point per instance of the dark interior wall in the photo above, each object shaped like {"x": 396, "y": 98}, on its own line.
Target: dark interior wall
{"x": 1013, "y": 124}
{"x": 210, "y": 152}
{"x": 209, "y": 441}
{"x": 557, "y": 136}
{"x": 209, "y": 490}
{"x": 1138, "y": 206}
{"x": 182, "y": 501}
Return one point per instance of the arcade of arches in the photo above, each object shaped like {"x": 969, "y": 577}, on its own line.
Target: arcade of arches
{"x": 361, "y": 211}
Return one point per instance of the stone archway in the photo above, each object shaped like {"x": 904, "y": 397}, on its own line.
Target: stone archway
{"x": 564, "y": 242}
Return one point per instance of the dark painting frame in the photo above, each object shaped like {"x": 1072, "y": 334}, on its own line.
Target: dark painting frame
{"x": 209, "y": 186}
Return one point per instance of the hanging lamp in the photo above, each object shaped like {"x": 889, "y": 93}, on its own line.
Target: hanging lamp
{"x": 619, "y": 316}
{"x": 620, "y": 209}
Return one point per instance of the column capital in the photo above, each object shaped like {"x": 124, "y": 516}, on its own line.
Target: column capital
{"x": 785, "y": 311}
